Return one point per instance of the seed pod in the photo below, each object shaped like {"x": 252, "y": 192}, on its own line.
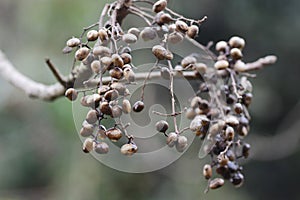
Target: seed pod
{"x": 172, "y": 139}
{"x": 111, "y": 95}
{"x": 159, "y": 52}
{"x": 181, "y": 143}
{"x": 221, "y": 46}
{"x": 103, "y": 89}
{"x": 101, "y": 133}
{"x": 207, "y": 171}
{"x": 198, "y": 122}
{"x": 138, "y": 106}
{"x": 92, "y": 35}
{"x": 148, "y": 33}
{"x": 86, "y": 130}
{"x": 231, "y": 120}
{"x": 116, "y": 111}
{"x": 87, "y": 145}
{"x": 162, "y": 126}
{"x": 101, "y": 148}
{"x": 96, "y": 66}
{"x": 247, "y": 99}
{"x": 117, "y": 60}
{"x": 129, "y": 75}
{"x": 190, "y": 113}
{"x": 201, "y": 68}
{"x": 175, "y": 38}
{"x": 195, "y": 102}
{"x": 103, "y": 35}
{"x": 93, "y": 100}
{"x": 159, "y": 6}
{"x": 126, "y": 57}
{"x": 229, "y": 133}
{"x": 116, "y": 73}
{"x": 192, "y": 31}
{"x": 114, "y": 134}
{"x": 102, "y": 51}
{"x": 237, "y": 179}
{"x": 240, "y": 66}
{"x": 236, "y": 53}
{"x": 71, "y": 94}
{"x": 105, "y": 108}
{"x": 126, "y": 106}
{"x": 73, "y": 42}
{"x": 165, "y": 73}
{"x": 188, "y": 61}
{"x": 246, "y": 149}
{"x": 216, "y": 183}
{"x": 221, "y": 64}
{"x": 129, "y": 38}
{"x": 238, "y": 108}
{"x": 82, "y": 53}
{"x": 92, "y": 117}
{"x": 164, "y": 18}
{"x": 129, "y": 149}
{"x": 119, "y": 87}
{"x": 134, "y": 31}
{"x": 181, "y": 26}
{"x": 237, "y": 42}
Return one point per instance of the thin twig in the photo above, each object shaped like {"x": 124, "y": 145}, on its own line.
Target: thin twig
{"x": 59, "y": 77}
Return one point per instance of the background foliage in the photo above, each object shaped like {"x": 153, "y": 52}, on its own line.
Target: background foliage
{"x": 40, "y": 154}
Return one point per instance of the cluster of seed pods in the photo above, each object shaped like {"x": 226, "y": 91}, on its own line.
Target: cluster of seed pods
{"x": 219, "y": 113}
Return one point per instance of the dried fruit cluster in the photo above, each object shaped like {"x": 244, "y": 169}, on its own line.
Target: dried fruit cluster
{"x": 221, "y": 118}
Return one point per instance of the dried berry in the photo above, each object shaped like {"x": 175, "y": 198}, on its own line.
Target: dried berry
{"x": 92, "y": 35}
{"x": 92, "y": 116}
{"x": 129, "y": 149}
{"x": 114, "y": 134}
{"x": 88, "y": 145}
{"x": 182, "y": 143}
{"x": 129, "y": 38}
{"x": 162, "y": 126}
{"x": 221, "y": 64}
{"x": 221, "y": 46}
{"x": 181, "y": 26}
{"x": 82, "y": 53}
{"x": 73, "y": 42}
{"x": 71, "y": 94}
{"x": 192, "y": 31}
{"x": 159, "y": 6}
{"x": 159, "y": 52}
{"x": 216, "y": 183}
{"x": 237, "y": 42}
{"x": 126, "y": 106}
{"x": 96, "y": 66}
{"x": 138, "y": 106}
{"x": 172, "y": 139}
{"x": 148, "y": 34}
{"x": 207, "y": 171}
{"x": 101, "y": 148}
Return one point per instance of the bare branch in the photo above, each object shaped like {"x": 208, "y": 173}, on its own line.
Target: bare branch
{"x": 260, "y": 63}
{"x": 31, "y": 88}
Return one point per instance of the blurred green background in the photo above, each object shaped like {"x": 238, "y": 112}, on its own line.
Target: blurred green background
{"x": 40, "y": 151}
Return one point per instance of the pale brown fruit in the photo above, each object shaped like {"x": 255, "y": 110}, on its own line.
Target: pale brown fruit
{"x": 172, "y": 139}
{"x": 138, "y": 106}
{"x": 182, "y": 143}
{"x": 207, "y": 171}
{"x": 159, "y": 6}
{"x": 162, "y": 126}
{"x": 88, "y": 145}
{"x": 73, "y": 42}
{"x": 82, "y": 53}
{"x": 221, "y": 64}
{"x": 126, "y": 106}
{"x": 120, "y": 87}
{"x": 236, "y": 53}
{"x": 181, "y": 26}
{"x": 111, "y": 95}
{"x": 114, "y": 134}
{"x": 192, "y": 31}
{"x": 71, "y": 94}
{"x": 105, "y": 108}
{"x": 102, "y": 51}
{"x": 92, "y": 35}
{"x": 134, "y": 31}
{"x": 175, "y": 37}
{"x": 159, "y": 52}
{"x": 188, "y": 61}
{"x": 129, "y": 149}
{"x": 127, "y": 58}
{"x": 129, "y": 38}
{"x": 216, "y": 183}
{"x": 129, "y": 75}
{"x": 96, "y": 66}
{"x": 221, "y": 46}
{"x": 87, "y": 129}
{"x": 237, "y": 42}
{"x": 101, "y": 148}
{"x": 116, "y": 111}
{"x": 117, "y": 60}
{"x": 103, "y": 35}
{"x": 148, "y": 33}
{"x": 116, "y": 73}
{"x": 92, "y": 116}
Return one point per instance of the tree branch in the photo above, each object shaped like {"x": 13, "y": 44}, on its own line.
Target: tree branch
{"x": 31, "y": 88}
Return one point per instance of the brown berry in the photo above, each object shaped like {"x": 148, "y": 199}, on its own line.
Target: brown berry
{"x": 116, "y": 73}
{"x": 96, "y": 66}
{"x": 172, "y": 139}
{"x": 111, "y": 95}
{"x": 103, "y": 35}
{"x": 71, "y": 94}
{"x": 87, "y": 145}
{"x": 129, "y": 149}
{"x": 73, "y": 42}
{"x": 127, "y": 58}
{"x": 126, "y": 106}
{"x": 114, "y": 134}
{"x": 101, "y": 148}
{"x": 192, "y": 31}
{"x": 86, "y": 130}
{"x": 92, "y": 35}
{"x": 116, "y": 111}
{"x": 221, "y": 64}
{"x": 105, "y": 108}
{"x": 82, "y": 53}
{"x": 92, "y": 116}
{"x": 159, "y": 6}
{"x": 159, "y": 52}
{"x": 129, "y": 38}
{"x": 148, "y": 33}
{"x": 162, "y": 126}
{"x": 181, "y": 143}
{"x": 138, "y": 106}
{"x": 188, "y": 61}
{"x": 134, "y": 31}
{"x": 216, "y": 183}
{"x": 221, "y": 46}
{"x": 207, "y": 171}
{"x": 129, "y": 75}
{"x": 181, "y": 26}
{"x": 102, "y": 51}
{"x": 237, "y": 42}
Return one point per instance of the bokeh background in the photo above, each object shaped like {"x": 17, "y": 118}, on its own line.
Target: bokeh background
{"x": 40, "y": 151}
